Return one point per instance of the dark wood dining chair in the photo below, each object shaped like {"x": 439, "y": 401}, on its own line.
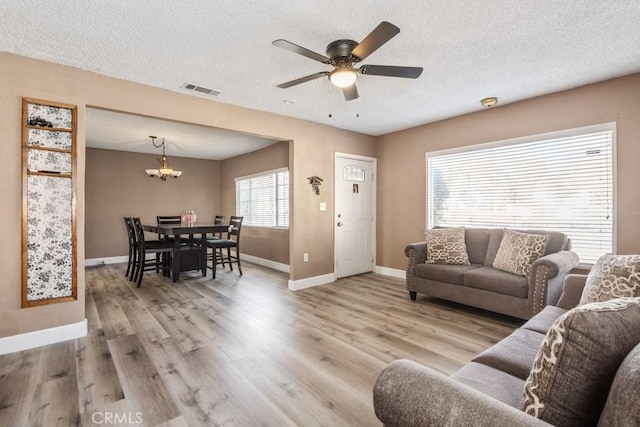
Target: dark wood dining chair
{"x": 170, "y": 220}
{"x": 162, "y": 251}
{"x": 218, "y": 220}
{"x": 232, "y": 241}
{"x": 133, "y": 247}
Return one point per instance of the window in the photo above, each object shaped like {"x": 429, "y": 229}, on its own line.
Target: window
{"x": 353, "y": 173}
{"x": 561, "y": 181}
{"x": 263, "y": 199}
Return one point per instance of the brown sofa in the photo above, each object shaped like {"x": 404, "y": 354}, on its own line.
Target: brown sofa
{"x": 482, "y": 286}
{"x": 490, "y": 389}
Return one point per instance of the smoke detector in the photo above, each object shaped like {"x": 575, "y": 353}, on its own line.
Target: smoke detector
{"x": 489, "y": 102}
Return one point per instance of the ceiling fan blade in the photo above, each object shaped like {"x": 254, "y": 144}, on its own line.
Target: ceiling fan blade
{"x": 376, "y": 38}
{"x": 391, "y": 71}
{"x": 350, "y": 92}
{"x": 303, "y": 79}
{"x": 301, "y": 51}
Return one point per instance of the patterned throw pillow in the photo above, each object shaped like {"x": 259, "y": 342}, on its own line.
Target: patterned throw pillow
{"x": 612, "y": 276}
{"x": 446, "y": 246}
{"x": 578, "y": 359}
{"x": 518, "y": 251}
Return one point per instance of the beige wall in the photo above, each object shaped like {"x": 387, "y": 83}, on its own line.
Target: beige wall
{"x": 402, "y": 164}
{"x": 312, "y": 154}
{"x": 267, "y": 243}
{"x": 117, "y": 186}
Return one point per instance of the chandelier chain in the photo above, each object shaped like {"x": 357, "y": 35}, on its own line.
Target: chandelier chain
{"x": 153, "y": 141}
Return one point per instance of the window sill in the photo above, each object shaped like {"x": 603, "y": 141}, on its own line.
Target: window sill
{"x": 265, "y": 226}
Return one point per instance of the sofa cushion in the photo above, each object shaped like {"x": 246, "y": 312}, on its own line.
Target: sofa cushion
{"x": 492, "y": 382}
{"x": 518, "y": 251}
{"x": 446, "y": 246}
{"x": 453, "y": 274}
{"x": 543, "y": 321}
{"x": 621, "y": 408}
{"x": 477, "y": 241}
{"x": 557, "y": 242}
{"x": 576, "y": 364}
{"x": 514, "y": 354}
{"x": 612, "y": 276}
{"x": 497, "y": 281}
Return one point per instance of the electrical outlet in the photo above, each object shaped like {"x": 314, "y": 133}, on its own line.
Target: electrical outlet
{"x": 305, "y": 257}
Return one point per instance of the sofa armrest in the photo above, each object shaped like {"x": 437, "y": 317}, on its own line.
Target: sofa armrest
{"x": 557, "y": 263}
{"x": 546, "y": 278}
{"x": 409, "y": 394}
{"x": 416, "y": 254}
{"x": 417, "y": 251}
{"x": 572, "y": 291}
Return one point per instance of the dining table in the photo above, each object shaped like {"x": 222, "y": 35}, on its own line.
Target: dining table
{"x": 192, "y": 254}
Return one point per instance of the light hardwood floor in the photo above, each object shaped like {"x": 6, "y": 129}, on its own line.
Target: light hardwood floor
{"x": 235, "y": 351}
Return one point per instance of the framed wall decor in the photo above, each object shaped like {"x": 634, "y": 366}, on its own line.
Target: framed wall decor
{"x": 49, "y": 271}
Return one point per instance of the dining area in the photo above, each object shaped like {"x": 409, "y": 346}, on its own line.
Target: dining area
{"x": 117, "y": 187}
{"x": 175, "y": 244}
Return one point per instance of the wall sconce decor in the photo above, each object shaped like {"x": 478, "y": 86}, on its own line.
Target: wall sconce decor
{"x": 164, "y": 170}
{"x": 315, "y": 182}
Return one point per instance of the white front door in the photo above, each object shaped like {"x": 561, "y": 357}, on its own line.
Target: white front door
{"x": 354, "y": 214}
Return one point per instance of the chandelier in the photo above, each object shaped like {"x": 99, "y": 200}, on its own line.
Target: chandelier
{"x": 164, "y": 171}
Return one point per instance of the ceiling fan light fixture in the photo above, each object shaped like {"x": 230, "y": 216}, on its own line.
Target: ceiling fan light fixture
{"x": 343, "y": 54}
{"x": 343, "y": 77}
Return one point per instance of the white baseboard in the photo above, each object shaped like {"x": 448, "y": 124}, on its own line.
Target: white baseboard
{"x": 265, "y": 262}
{"x": 34, "y": 339}
{"x": 393, "y": 272}
{"x": 91, "y": 262}
{"x": 296, "y": 285}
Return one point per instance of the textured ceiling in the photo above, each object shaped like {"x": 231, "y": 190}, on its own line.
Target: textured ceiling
{"x": 113, "y": 130}
{"x": 469, "y": 50}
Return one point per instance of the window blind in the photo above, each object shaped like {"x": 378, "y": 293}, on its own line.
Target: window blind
{"x": 562, "y": 182}
{"x": 263, "y": 200}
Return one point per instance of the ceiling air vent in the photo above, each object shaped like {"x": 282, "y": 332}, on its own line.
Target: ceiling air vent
{"x": 200, "y": 89}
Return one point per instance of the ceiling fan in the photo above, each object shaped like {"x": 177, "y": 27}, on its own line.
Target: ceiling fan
{"x": 344, "y": 54}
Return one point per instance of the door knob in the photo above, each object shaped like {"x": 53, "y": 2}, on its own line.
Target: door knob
{"x": 339, "y": 224}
